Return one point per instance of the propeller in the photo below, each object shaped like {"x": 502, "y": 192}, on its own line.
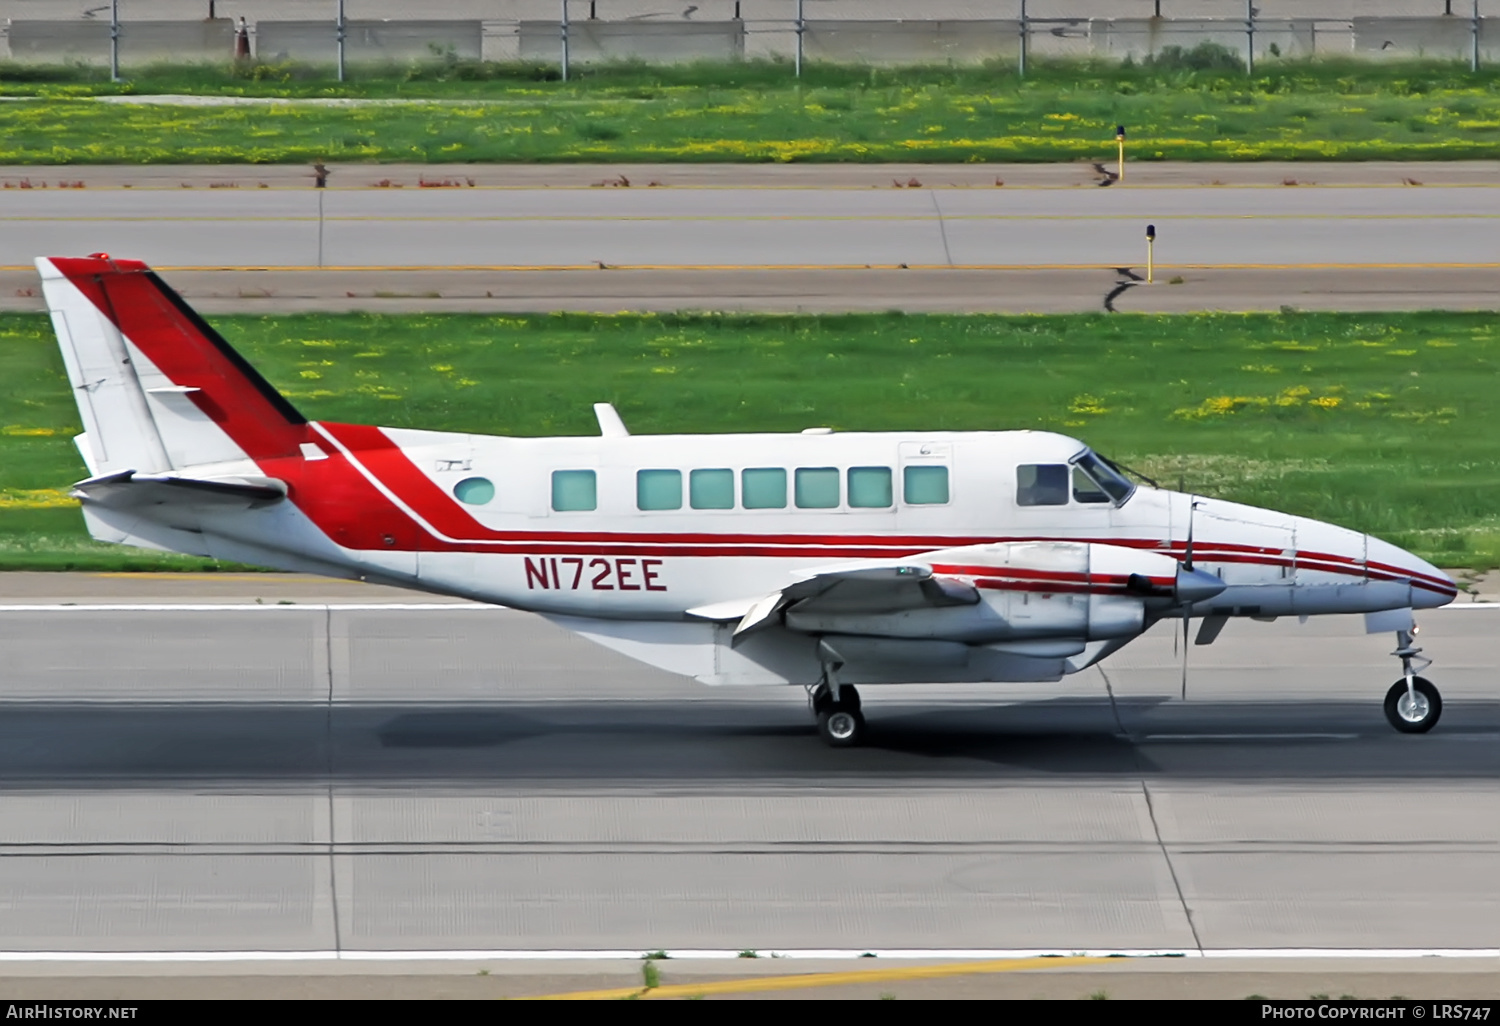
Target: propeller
{"x": 1188, "y": 594}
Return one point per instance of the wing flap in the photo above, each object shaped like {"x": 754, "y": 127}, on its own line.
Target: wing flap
{"x": 874, "y": 588}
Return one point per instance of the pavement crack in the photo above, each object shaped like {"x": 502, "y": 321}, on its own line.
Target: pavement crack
{"x": 333, "y": 879}
{"x": 1106, "y": 176}
{"x": 1129, "y": 280}
{"x": 1114, "y": 707}
{"x": 1171, "y": 868}
{"x": 1151, "y": 809}
{"x": 942, "y": 226}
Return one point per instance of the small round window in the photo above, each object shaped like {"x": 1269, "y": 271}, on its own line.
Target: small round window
{"x": 476, "y": 491}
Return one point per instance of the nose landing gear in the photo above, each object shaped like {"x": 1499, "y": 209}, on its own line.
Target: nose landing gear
{"x": 836, "y": 706}
{"x": 1412, "y": 705}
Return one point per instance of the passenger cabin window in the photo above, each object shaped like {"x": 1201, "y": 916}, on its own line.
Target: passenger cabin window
{"x": 924, "y": 486}
{"x": 1042, "y": 484}
{"x": 476, "y": 491}
{"x": 574, "y": 490}
{"x": 817, "y": 487}
{"x": 712, "y": 489}
{"x": 870, "y": 487}
{"x": 658, "y": 489}
{"x": 763, "y": 488}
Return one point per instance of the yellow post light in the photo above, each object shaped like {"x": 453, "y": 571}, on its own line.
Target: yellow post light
{"x": 1120, "y": 138}
{"x": 1150, "y": 252}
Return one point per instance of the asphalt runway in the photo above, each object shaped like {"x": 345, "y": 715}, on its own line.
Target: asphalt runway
{"x": 800, "y": 291}
{"x": 775, "y": 238}
{"x": 368, "y": 778}
{"x": 1001, "y": 228}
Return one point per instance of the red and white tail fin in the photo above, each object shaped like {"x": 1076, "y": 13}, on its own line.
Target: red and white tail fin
{"x": 157, "y": 388}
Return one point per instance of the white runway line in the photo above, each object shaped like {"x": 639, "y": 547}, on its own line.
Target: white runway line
{"x": 964, "y": 954}
{"x": 1250, "y": 737}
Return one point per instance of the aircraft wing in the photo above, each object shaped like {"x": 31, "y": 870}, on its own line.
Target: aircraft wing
{"x": 855, "y": 589}
{"x": 1035, "y": 593}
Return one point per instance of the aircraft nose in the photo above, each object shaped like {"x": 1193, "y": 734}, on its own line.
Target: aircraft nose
{"x": 1430, "y": 587}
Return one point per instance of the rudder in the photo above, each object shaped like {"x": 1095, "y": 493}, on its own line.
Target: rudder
{"x": 157, "y": 388}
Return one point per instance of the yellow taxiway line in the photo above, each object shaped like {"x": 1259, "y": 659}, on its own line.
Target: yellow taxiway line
{"x": 760, "y": 984}
{"x": 274, "y": 219}
{"x": 158, "y": 575}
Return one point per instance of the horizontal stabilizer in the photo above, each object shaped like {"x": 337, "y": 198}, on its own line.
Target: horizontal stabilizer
{"x": 127, "y": 488}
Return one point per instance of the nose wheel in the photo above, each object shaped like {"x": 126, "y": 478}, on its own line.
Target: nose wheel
{"x": 1413, "y": 704}
{"x": 1413, "y": 708}
{"x": 840, "y": 723}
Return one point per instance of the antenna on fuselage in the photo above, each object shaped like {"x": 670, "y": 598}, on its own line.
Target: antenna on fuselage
{"x": 1122, "y": 470}
{"x": 610, "y": 424}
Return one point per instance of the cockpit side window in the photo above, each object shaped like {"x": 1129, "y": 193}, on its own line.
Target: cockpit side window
{"x": 1085, "y": 488}
{"x": 1094, "y": 480}
{"x": 1042, "y": 484}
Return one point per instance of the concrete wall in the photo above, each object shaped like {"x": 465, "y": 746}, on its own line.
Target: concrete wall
{"x": 911, "y": 42}
{"x": 711, "y": 35}
{"x": 141, "y": 42}
{"x": 367, "y": 41}
{"x": 1451, "y": 38}
{"x": 1141, "y": 37}
{"x": 606, "y": 40}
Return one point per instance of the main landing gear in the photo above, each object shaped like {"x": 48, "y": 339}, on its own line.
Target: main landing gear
{"x": 1412, "y": 705}
{"x": 836, "y": 706}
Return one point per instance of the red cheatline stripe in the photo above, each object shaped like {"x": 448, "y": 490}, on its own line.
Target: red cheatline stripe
{"x": 389, "y": 464}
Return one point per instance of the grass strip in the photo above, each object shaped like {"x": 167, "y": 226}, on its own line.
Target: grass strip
{"x": 757, "y": 112}
{"x": 1387, "y": 423}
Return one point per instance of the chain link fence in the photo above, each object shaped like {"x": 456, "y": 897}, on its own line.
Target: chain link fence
{"x": 568, "y": 33}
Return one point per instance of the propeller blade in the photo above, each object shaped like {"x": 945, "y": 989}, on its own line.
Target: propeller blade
{"x": 1184, "y": 655}
{"x": 1187, "y": 561}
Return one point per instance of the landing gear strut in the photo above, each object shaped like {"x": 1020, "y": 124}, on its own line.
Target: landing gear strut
{"x": 1412, "y": 705}
{"x": 837, "y": 708}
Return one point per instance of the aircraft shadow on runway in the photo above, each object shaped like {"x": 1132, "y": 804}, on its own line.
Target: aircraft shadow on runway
{"x": 623, "y": 744}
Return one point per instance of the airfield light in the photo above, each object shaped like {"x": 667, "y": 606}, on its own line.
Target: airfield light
{"x": 1150, "y": 254}
{"x": 1120, "y": 138}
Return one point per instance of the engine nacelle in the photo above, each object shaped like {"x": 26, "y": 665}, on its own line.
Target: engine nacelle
{"x": 1027, "y": 590}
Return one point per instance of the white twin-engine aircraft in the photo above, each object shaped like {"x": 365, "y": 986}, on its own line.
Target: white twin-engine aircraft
{"x": 819, "y": 559}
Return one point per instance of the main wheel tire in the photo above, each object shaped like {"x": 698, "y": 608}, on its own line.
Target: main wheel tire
{"x": 841, "y": 728}
{"x": 1413, "y": 717}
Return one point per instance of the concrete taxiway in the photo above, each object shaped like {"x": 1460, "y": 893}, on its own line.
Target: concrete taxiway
{"x": 348, "y": 777}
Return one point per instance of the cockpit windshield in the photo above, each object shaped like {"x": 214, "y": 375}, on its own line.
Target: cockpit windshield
{"x": 1110, "y": 482}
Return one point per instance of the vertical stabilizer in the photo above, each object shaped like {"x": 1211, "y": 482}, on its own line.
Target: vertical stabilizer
{"x": 157, "y": 388}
